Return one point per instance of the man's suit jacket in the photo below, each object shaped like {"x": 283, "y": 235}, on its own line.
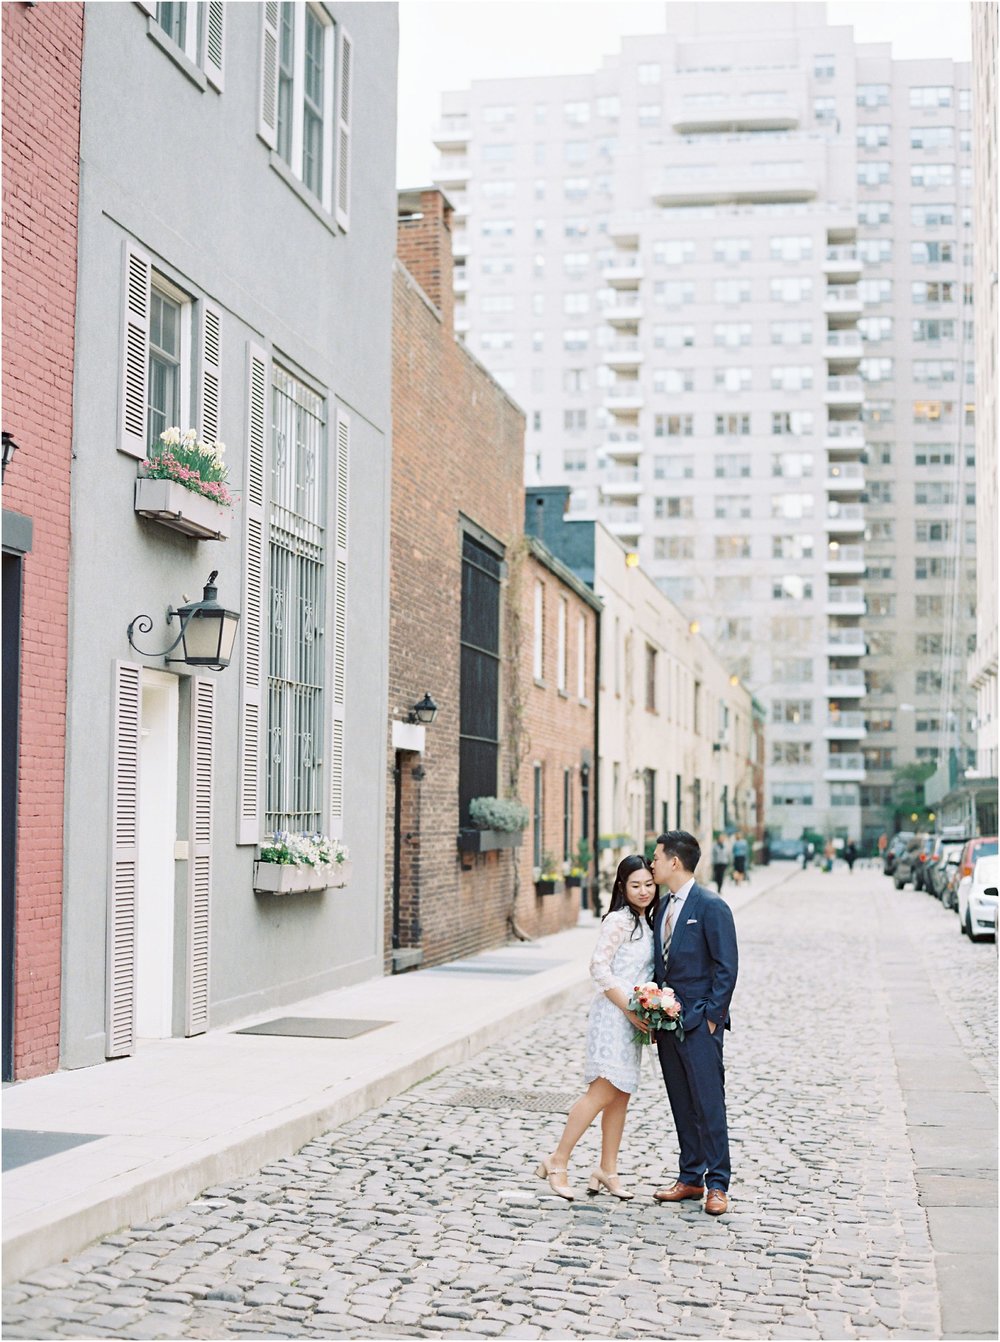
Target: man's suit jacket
{"x": 702, "y": 959}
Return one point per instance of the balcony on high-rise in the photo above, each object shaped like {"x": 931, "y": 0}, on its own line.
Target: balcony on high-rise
{"x": 842, "y": 263}
{"x": 845, "y": 477}
{"x": 844, "y": 518}
{"x": 844, "y": 391}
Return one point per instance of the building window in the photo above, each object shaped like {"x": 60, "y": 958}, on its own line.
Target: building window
{"x": 561, "y": 646}
{"x": 169, "y": 357}
{"x": 567, "y": 834}
{"x": 305, "y": 96}
{"x": 538, "y": 652}
{"x": 479, "y": 718}
{"x": 198, "y": 30}
{"x": 650, "y": 679}
{"x": 537, "y": 818}
{"x": 296, "y": 666}
{"x": 581, "y": 657}
{"x": 649, "y": 800}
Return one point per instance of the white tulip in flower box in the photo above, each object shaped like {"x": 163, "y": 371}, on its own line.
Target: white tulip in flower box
{"x": 288, "y": 878}
{"x": 182, "y": 509}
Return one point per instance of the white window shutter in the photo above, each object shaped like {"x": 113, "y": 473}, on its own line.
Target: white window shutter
{"x": 210, "y": 371}
{"x": 214, "y": 40}
{"x": 342, "y": 204}
{"x": 339, "y": 677}
{"x": 254, "y": 621}
{"x": 199, "y": 892}
{"x": 124, "y": 864}
{"x": 136, "y": 279}
{"x": 267, "y": 119}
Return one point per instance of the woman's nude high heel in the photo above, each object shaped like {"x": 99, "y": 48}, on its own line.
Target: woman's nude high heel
{"x": 546, "y": 1171}
{"x": 610, "y": 1182}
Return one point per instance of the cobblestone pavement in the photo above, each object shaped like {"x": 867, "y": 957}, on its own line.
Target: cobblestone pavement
{"x": 423, "y": 1218}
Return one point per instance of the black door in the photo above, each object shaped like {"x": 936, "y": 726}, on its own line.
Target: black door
{"x": 11, "y": 594}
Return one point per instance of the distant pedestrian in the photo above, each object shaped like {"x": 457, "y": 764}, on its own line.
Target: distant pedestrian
{"x": 850, "y": 854}
{"x": 720, "y": 861}
{"x": 740, "y": 852}
{"x": 622, "y": 958}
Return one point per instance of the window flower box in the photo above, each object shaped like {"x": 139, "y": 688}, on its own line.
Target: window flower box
{"x": 287, "y": 878}
{"x": 546, "y": 886}
{"x": 488, "y": 840}
{"x": 182, "y": 509}
{"x": 573, "y": 882}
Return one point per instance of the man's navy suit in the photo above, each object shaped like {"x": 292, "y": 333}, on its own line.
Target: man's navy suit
{"x": 701, "y": 969}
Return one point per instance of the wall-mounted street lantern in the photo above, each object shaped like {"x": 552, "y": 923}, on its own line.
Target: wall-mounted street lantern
{"x": 424, "y": 712}
{"x": 208, "y": 631}
{"x": 9, "y": 448}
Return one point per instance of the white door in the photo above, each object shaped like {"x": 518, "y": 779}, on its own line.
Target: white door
{"x": 155, "y": 939}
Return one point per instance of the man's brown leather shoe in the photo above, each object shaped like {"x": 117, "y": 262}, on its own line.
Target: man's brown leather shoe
{"x": 716, "y": 1203}
{"x": 679, "y": 1192}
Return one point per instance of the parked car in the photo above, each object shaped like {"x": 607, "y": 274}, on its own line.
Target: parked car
{"x": 977, "y": 899}
{"x": 897, "y": 845}
{"x": 983, "y": 846}
{"x": 786, "y": 850}
{"x": 942, "y": 863}
{"x": 910, "y": 863}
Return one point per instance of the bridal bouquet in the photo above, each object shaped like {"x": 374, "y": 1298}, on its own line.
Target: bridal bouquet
{"x": 659, "y": 1008}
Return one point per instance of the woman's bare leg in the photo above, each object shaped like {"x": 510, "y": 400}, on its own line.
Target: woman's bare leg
{"x": 612, "y": 1127}
{"x": 597, "y": 1096}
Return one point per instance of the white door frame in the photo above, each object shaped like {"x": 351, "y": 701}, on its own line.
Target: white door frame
{"x": 155, "y": 896}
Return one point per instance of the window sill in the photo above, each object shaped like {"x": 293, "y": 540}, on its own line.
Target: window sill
{"x": 304, "y": 194}
{"x": 183, "y": 62}
{"x": 541, "y": 684}
{"x": 562, "y": 694}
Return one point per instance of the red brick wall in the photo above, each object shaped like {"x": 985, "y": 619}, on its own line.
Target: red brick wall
{"x": 458, "y": 448}
{"x": 559, "y": 735}
{"x": 42, "y": 52}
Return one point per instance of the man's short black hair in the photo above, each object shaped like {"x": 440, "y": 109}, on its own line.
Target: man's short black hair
{"x": 683, "y": 846}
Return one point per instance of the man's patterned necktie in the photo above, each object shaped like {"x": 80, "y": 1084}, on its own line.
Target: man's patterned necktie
{"x": 667, "y": 929}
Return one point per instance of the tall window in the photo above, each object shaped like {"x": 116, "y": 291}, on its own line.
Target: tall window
{"x": 305, "y": 95}
{"x": 537, "y": 818}
{"x": 650, "y": 679}
{"x": 567, "y": 815}
{"x": 649, "y": 799}
{"x": 538, "y": 659}
{"x": 167, "y": 330}
{"x": 581, "y": 657}
{"x": 561, "y": 647}
{"x": 479, "y": 725}
{"x": 296, "y": 661}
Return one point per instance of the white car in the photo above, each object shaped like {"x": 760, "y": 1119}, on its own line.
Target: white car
{"x": 977, "y": 899}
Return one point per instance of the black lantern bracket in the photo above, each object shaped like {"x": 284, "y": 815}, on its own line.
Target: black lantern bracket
{"x": 213, "y": 651}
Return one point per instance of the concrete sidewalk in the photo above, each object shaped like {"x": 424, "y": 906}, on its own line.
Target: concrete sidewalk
{"x": 183, "y": 1114}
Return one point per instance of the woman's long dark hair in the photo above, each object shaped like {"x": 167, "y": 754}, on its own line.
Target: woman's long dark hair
{"x": 627, "y": 867}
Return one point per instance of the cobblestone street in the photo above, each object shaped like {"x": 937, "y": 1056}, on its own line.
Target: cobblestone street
{"x": 424, "y": 1216}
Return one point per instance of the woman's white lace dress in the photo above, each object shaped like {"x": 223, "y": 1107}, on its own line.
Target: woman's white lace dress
{"x": 617, "y": 960}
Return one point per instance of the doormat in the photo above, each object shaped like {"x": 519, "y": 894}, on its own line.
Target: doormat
{"x": 314, "y": 1027}
{"x": 21, "y": 1146}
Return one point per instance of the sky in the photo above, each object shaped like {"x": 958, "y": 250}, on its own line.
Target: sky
{"x": 445, "y": 44}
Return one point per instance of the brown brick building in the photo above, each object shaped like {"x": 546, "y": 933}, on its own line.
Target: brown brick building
{"x": 457, "y": 502}
{"x": 42, "y": 54}
{"x": 559, "y": 630}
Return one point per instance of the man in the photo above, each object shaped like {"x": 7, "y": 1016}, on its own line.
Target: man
{"x": 720, "y": 861}
{"x": 694, "y": 948}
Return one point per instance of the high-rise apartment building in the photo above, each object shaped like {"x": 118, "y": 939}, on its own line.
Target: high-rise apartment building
{"x": 983, "y": 662}
{"x": 666, "y": 262}
{"x": 914, "y": 182}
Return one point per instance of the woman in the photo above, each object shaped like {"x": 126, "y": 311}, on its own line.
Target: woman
{"x": 720, "y": 861}
{"x": 623, "y": 958}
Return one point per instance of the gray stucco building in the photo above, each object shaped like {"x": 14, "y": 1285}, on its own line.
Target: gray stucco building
{"x": 237, "y": 230}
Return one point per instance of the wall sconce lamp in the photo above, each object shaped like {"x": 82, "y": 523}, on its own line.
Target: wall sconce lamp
{"x": 208, "y": 631}
{"x": 424, "y": 712}
{"x": 9, "y": 448}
